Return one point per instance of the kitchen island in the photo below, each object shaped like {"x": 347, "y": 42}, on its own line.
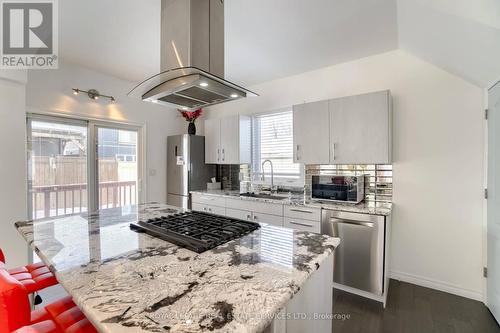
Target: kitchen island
{"x": 273, "y": 279}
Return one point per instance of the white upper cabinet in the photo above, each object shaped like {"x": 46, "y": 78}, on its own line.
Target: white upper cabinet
{"x": 228, "y": 140}
{"x": 212, "y": 141}
{"x": 347, "y": 130}
{"x": 360, "y": 129}
{"x": 311, "y": 133}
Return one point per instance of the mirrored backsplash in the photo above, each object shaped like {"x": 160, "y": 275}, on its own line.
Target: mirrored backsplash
{"x": 231, "y": 175}
{"x": 378, "y": 179}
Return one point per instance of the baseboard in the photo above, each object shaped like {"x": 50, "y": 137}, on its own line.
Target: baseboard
{"x": 437, "y": 285}
{"x": 361, "y": 293}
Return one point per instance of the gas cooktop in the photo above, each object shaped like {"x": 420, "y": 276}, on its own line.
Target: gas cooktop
{"x": 196, "y": 231}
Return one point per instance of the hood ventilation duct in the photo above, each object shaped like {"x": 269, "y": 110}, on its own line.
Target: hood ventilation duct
{"x": 192, "y": 58}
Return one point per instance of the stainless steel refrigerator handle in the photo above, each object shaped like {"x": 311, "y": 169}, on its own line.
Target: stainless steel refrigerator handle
{"x": 364, "y": 224}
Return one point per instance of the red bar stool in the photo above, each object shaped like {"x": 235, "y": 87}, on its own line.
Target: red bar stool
{"x": 34, "y": 277}
{"x": 62, "y": 316}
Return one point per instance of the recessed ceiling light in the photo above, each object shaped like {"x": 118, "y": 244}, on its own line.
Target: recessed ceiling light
{"x": 234, "y": 95}
{"x": 204, "y": 84}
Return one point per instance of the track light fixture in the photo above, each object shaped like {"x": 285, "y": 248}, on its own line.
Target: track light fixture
{"x": 93, "y": 94}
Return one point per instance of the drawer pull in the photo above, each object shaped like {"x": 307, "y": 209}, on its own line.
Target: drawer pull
{"x": 301, "y": 211}
{"x": 302, "y": 224}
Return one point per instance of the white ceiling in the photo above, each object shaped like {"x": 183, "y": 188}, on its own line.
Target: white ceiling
{"x": 269, "y": 39}
{"x": 117, "y": 37}
{"x": 264, "y": 39}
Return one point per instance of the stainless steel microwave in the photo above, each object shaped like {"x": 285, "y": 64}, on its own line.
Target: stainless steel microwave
{"x": 346, "y": 189}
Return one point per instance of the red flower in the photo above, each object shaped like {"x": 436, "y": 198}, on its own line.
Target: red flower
{"x": 191, "y": 116}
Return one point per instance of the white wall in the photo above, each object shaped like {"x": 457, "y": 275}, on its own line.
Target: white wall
{"x": 438, "y": 159}
{"x": 12, "y": 164}
{"x": 50, "y": 92}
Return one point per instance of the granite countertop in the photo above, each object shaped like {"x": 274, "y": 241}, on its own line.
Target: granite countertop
{"x": 301, "y": 200}
{"x": 126, "y": 281}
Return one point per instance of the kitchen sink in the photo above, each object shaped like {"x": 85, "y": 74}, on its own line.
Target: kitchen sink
{"x": 262, "y": 196}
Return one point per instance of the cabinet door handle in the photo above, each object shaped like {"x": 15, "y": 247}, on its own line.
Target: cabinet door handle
{"x": 255, "y": 217}
{"x": 218, "y": 155}
{"x": 249, "y": 217}
{"x": 210, "y": 209}
{"x": 297, "y": 152}
{"x": 205, "y": 209}
{"x": 223, "y": 155}
{"x": 301, "y": 211}
{"x": 302, "y": 224}
{"x": 334, "y": 145}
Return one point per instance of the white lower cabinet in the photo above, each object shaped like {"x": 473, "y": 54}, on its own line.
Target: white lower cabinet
{"x": 294, "y": 217}
{"x": 269, "y": 219}
{"x": 239, "y": 214}
{"x": 208, "y": 209}
{"x": 256, "y": 211}
{"x": 303, "y": 218}
{"x": 303, "y": 213}
{"x": 254, "y": 216}
{"x": 303, "y": 225}
{"x": 255, "y": 206}
{"x": 211, "y": 200}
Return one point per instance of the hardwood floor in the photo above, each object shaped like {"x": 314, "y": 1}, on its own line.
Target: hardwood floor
{"x": 412, "y": 309}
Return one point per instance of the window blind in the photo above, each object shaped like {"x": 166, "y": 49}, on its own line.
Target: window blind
{"x": 272, "y": 139}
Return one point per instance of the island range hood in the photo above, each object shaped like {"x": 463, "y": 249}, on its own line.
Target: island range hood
{"x": 192, "y": 58}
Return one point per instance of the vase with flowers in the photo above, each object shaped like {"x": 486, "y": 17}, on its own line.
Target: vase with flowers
{"x": 191, "y": 117}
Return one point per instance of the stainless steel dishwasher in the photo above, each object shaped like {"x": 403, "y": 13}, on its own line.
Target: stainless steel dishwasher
{"x": 359, "y": 259}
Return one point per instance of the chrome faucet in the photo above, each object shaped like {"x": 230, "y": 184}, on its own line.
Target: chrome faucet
{"x": 272, "y": 174}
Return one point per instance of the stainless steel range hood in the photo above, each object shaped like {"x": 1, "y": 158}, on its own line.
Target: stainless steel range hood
{"x": 192, "y": 58}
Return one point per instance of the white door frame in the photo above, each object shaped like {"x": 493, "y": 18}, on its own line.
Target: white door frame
{"x": 92, "y": 124}
{"x": 486, "y": 170}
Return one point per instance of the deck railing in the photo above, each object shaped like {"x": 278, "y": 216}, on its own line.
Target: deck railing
{"x": 57, "y": 200}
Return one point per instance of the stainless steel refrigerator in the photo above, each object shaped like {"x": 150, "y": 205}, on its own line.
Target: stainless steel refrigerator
{"x": 186, "y": 168}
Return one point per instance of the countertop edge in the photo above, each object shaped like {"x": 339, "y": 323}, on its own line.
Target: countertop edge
{"x": 380, "y": 211}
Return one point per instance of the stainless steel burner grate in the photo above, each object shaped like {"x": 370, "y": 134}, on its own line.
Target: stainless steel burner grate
{"x": 196, "y": 231}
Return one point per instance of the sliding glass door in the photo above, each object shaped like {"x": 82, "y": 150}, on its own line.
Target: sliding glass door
{"x": 117, "y": 167}
{"x": 57, "y": 167}
{"x": 78, "y": 165}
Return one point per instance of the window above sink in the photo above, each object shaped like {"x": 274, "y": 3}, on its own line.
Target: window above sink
{"x": 272, "y": 139}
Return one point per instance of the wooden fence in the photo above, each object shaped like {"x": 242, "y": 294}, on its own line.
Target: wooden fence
{"x": 60, "y": 185}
